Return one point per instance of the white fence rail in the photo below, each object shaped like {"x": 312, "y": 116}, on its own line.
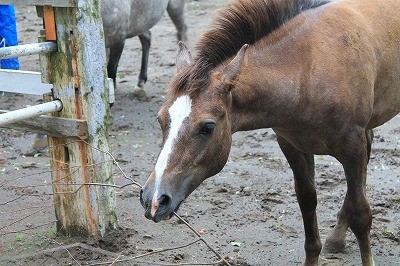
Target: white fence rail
{"x": 27, "y": 82}
{"x": 30, "y": 112}
{"x": 27, "y": 49}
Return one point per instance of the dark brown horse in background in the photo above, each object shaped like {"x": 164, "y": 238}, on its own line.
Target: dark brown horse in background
{"x": 321, "y": 74}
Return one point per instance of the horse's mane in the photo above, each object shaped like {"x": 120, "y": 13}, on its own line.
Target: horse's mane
{"x": 239, "y": 22}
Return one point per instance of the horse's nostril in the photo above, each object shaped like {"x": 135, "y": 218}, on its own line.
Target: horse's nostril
{"x": 164, "y": 201}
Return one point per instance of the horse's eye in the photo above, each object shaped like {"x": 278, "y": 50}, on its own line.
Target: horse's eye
{"x": 207, "y": 128}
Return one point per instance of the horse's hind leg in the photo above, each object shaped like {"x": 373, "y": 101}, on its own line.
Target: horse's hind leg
{"x": 145, "y": 40}
{"x": 303, "y": 169}
{"x": 336, "y": 241}
{"x": 115, "y": 54}
{"x": 352, "y": 152}
{"x": 176, "y": 12}
{"x": 369, "y": 134}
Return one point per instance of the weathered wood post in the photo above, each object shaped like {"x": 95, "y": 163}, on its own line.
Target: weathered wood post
{"x": 78, "y": 72}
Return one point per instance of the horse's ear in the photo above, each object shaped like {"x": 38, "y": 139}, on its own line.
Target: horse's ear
{"x": 184, "y": 58}
{"x": 233, "y": 69}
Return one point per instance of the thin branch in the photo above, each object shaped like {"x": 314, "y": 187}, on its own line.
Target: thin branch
{"x": 115, "y": 162}
{"x": 27, "y": 208}
{"x": 177, "y": 264}
{"x": 91, "y": 184}
{"x": 157, "y": 252}
{"x": 163, "y": 250}
{"x": 116, "y": 260}
{"x": 202, "y": 239}
{"x": 29, "y": 186}
{"x": 7, "y": 202}
{"x": 69, "y": 253}
{"x": 19, "y": 220}
{"x": 28, "y": 175}
{"x": 28, "y": 229}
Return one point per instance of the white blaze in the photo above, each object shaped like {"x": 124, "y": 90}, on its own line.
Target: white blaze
{"x": 178, "y": 111}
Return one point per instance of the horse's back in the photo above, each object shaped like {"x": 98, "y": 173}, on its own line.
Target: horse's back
{"x": 366, "y": 59}
{"x": 383, "y": 17}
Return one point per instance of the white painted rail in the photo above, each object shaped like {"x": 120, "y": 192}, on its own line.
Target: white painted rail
{"x": 30, "y": 112}
{"x": 27, "y": 82}
{"x": 27, "y": 49}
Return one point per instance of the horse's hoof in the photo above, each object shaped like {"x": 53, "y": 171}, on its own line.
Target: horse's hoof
{"x": 139, "y": 92}
{"x": 141, "y": 83}
{"x": 334, "y": 246}
{"x": 35, "y": 152}
{"x": 40, "y": 142}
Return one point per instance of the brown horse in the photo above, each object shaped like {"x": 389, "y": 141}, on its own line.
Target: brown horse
{"x": 321, "y": 74}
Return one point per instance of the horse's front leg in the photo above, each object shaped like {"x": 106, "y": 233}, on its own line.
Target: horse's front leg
{"x": 145, "y": 40}
{"x": 303, "y": 169}
{"x": 353, "y": 153}
{"x": 336, "y": 242}
{"x": 114, "y": 56}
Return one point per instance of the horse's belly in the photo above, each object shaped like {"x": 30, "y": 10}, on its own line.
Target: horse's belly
{"x": 386, "y": 94}
{"x": 115, "y": 15}
{"x": 383, "y": 114}
{"x": 144, "y": 15}
{"x": 124, "y": 19}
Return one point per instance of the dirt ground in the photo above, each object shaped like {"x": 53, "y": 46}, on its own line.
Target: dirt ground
{"x": 248, "y": 212}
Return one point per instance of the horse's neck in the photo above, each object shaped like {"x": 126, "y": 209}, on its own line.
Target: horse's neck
{"x": 271, "y": 87}
{"x": 267, "y": 93}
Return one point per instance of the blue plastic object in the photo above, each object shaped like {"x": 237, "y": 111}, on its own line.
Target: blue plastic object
{"x": 8, "y": 34}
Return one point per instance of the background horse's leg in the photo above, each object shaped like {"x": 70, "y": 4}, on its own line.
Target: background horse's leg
{"x": 336, "y": 241}
{"x": 353, "y": 153}
{"x": 303, "y": 169}
{"x": 145, "y": 40}
{"x": 115, "y": 55}
{"x": 176, "y": 12}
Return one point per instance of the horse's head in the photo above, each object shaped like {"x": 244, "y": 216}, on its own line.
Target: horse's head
{"x": 196, "y": 127}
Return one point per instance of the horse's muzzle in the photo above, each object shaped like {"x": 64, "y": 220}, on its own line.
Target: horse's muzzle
{"x": 157, "y": 208}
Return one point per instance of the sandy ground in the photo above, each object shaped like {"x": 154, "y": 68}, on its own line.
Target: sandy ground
{"x": 248, "y": 212}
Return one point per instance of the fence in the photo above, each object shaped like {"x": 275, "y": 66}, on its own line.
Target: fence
{"x": 73, "y": 60}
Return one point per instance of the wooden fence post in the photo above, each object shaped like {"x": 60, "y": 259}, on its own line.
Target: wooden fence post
{"x": 78, "y": 72}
